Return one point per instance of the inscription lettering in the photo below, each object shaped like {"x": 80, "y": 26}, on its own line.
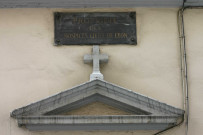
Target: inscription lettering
{"x": 96, "y": 20}
{"x": 121, "y": 35}
{"x": 94, "y": 35}
{"x": 94, "y": 28}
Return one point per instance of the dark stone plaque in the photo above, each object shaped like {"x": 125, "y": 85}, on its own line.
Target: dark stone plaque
{"x": 95, "y": 28}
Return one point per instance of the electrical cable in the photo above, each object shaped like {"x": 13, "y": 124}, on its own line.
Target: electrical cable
{"x": 183, "y": 69}
{"x": 184, "y": 76}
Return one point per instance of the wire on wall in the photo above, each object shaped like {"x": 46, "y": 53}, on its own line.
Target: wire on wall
{"x": 183, "y": 61}
{"x": 184, "y": 75}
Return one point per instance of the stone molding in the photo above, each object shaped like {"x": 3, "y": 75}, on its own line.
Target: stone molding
{"x": 95, "y": 3}
{"x": 147, "y": 112}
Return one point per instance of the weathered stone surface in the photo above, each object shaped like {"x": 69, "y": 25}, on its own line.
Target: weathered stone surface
{"x": 146, "y": 112}
{"x": 92, "y": 3}
{"x": 96, "y": 58}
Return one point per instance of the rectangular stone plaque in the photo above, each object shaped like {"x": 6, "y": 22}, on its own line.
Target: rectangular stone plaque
{"x": 95, "y": 28}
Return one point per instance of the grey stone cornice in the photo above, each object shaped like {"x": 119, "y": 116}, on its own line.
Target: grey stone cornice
{"x": 95, "y": 3}
{"x": 122, "y": 122}
{"x": 98, "y": 87}
{"x": 96, "y": 119}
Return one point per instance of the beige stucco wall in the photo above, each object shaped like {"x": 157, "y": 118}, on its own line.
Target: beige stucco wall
{"x": 194, "y": 36}
{"x": 32, "y": 68}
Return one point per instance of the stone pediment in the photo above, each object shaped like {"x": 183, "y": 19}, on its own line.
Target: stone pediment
{"x": 145, "y": 113}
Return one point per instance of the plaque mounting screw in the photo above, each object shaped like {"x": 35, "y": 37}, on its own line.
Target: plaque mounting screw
{"x": 132, "y": 14}
{"x": 57, "y": 16}
{"x": 132, "y": 39}
{"x": 57, "y": 41}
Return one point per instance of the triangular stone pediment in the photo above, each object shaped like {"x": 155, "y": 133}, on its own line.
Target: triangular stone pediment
{"x": 51, "y": 113}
